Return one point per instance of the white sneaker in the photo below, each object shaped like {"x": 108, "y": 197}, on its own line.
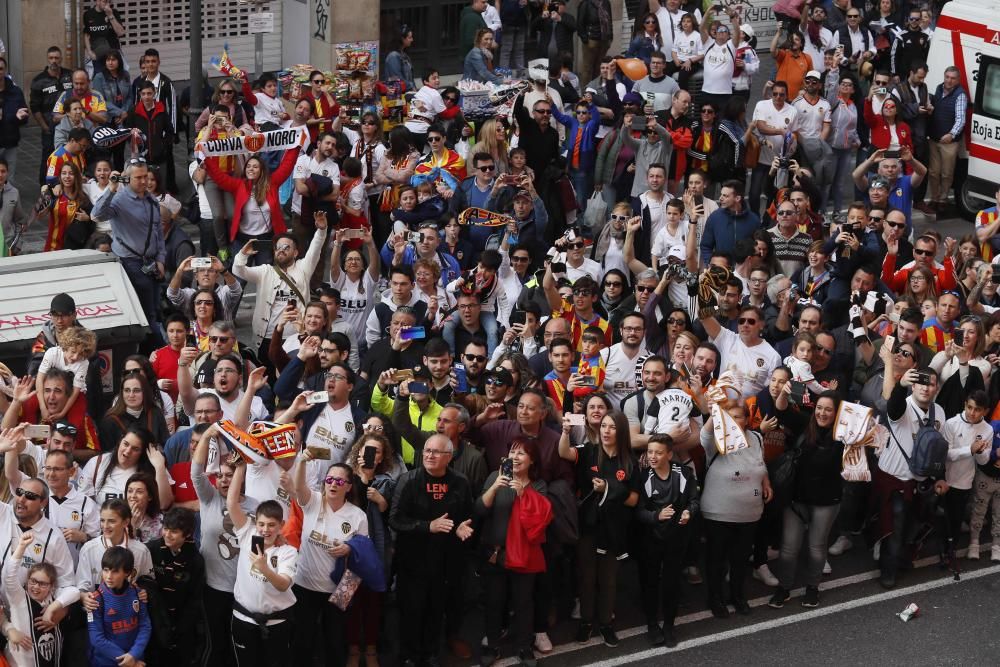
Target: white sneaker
{"x": 763, "y": 574}
{"x": 995, "y": 553}
{"x": 842, "y": 544}
{"x": 575, "y": 614}
{"x": 826, "y": 568}
{"x": 973, "y": 553}
{"x": 542, "y": 642}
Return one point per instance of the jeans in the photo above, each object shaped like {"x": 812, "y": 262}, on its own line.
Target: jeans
{"x": 583, "y": 183}
{"x": 757, "y": 178}
{"x": 489, "y": 324}
{"x": 728, "y": 544}
{"x": 512, "y": 47}
{"x": 818, "y": 519}
{"x": 843, "y": 165}
{"x": 221, "y": 203}
{"x": 147, "y": 290}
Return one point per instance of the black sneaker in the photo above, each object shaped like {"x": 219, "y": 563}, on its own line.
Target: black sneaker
{"x": 719, "y": 610}
{"x": 811, "y": 598}
{"x": 526, "y": 658}
{"x": 654, "y": 634}
{"x": 779, "y": 598}
{"x": 610, "y": 638}
{"x": 583, "y": 632}
{"x": 669, "y": 640}
{"x": 742, "y": 607}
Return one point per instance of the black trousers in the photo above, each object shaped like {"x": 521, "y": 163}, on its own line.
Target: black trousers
{"x": 728, "y": 544}
{"x": 319, "y": 629}
{"x": 660, "y": 576}
{"x": 253, "y": 649}
{"x": 422, "y": 599}
{"x": 219, "y": 610}
{"x": 503, "y": 585}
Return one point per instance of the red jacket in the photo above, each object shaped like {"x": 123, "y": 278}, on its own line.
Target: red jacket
{"x": 241, "y": 189}
{"x": 881, "y": 137}
{"x": 529, "y": 517}
{"x": 944, "y": 277}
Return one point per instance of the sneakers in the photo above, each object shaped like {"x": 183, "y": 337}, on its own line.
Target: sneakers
{"x": 973, "y": 553}
{"x": 995, "y": 553}
{"x": 843, "y": 543}
{"x": 811, "y": 598}
{"x": 826, "y": 568}
{"x": 609, "y": 636}
{"x": 542, "y": 642}
{"x": 779, "y": 598}
{"x": 669, "y": 640}
{"x": 742, "y": 607}
{"x": 763, "y": 573}
{"x": 575, "y": 614}
{"x": 719, "y": 610}
{"x": 526, "y": 658}
{"x": 654, "y": 634}
{"x": 583, "y": 633}
{"x": 693, "y": 575}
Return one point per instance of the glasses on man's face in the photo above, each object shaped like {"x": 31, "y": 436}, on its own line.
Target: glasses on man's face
{"x": 786, "y": 212}
{"x": 495, "y": 382}
{"x": 336, "y": 377}
{"x": 543, "y": 112}
{"x": 451, "y": 99}
{"x": 219, "y": 339}
{"x": 436, "y": 452}
{"x": 758, "y": 281}
{"x": 778, "y": 94}
{"x": 626, "y": 330}
{"x": 824, "y": 350}
{"x": 55, "y": 469}
{"x": 922, "y": 251}
{"x": 578, "y": 245}
{"x": 708, "y": 111}
{"x": 747, "y": 320}
{"x": 914, "y": 18}
{"x": 518, "y": 259}
{"x": 854, "y": 16}
{"x": 336, "y": 481}
{"x": 488, "y": 168}
{"x": 478, "y": 358}
{"x": 28, "y": 495}
{"x": 582, "y": 292}
{"x": 468, "y": 306}
{"x": 582, "y": 112}
{"x": 284, "y": 247}
{"x": 642, "y": 289}
{"x": 435, "y": 139}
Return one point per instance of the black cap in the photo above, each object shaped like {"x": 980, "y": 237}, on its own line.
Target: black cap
{"x": 62, "y": 304}
{"x": 63, "y": 427}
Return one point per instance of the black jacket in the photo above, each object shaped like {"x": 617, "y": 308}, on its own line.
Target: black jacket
{"x": 156, "y": 126}
{"x": 543, "y": 30}
{"x": 648, "y": 510}
{"x": 418, "y": 500}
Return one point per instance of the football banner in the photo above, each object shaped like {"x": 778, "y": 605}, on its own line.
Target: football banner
{"x": 258, "y": 142}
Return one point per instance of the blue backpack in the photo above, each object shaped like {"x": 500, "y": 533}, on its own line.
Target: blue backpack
{"x": 930, "y": 449}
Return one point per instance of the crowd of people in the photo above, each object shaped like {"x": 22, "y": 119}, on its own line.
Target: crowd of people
{"x": 623, "y": 322}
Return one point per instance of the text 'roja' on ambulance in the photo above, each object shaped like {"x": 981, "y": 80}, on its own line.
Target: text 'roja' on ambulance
{"x": 968, "y": 36}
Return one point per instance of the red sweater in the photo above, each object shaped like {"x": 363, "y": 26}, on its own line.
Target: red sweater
{"x": 164, "y": 362}
{"x": 881, "y": 137}
{"x": 944, "y": 277}
{"x": 242, "y": 189}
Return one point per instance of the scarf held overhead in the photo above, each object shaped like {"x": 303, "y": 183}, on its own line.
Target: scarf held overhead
{"x": 258, "y": 142}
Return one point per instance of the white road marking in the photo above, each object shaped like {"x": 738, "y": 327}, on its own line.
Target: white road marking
{"x": 571, "y": 647}
{"x": 795, "y": 618}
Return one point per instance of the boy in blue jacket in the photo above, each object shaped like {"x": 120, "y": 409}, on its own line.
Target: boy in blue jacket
{"x": 119, "y": 627}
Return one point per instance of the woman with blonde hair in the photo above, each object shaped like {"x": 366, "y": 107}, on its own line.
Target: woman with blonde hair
{"x": 610, "y": 239}
{"x": 493, "y": 141}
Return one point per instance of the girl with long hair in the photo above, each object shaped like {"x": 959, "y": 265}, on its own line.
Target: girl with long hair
{"x": 607, "y": 479}
{"x": 115, "y": 83}
{"x": 70, "y": 225}
{"x": 370, "y": 151}
{"x": 398, "y": 66}
{"x": 888, "y": 130}
{"x": 646, "y": 38}
{"x": 27, "y": 644}
{"x": 394, "y": 171}
{"x": 257, "y": 213}
{"x": 138, "y": 402}
{"x": 115, "y": 532}
{"x": 142, "y": 496}
{"x": 105, "y": 475}
{"x": 493, "y": 141}
{"x": 920, "y": 284}
{"x": 162, "y": 400}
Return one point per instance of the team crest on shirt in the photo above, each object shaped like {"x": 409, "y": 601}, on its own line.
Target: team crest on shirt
{"x": 135, "y": 605}
{"x": 760, "y": 363}
{"x": 345, "y": 527}
{"x": 899, "y": 192}
{"x": 274, "y": 561}
{"x": 37, "y": 548}
{"x": 326, "y": 172}
{"x": 74, "y": 516}
{"x": 349, "y": 426}
{"x": 620, "y": 475}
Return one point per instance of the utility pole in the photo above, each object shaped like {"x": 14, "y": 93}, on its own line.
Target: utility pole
{"x": 197, "y": 80}
{"x": 258, "y": 38}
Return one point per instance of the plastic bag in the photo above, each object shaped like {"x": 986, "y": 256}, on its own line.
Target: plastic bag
{"x": 596, "y": 213}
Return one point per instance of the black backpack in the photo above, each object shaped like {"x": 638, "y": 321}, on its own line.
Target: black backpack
{"x": 930, "y": 449}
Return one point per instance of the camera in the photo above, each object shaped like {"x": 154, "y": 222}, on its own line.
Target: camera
{"x": 150, "y": 269}
{"x": 784, "y": 163}
{"x": 120, "y": 178}
{"x": 679, "y": 271}
{"x": 414, "y": 237}
{"x": 923, "y": 377}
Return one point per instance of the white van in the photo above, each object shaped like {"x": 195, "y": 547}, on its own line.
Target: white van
{"x": 968, "y": 36}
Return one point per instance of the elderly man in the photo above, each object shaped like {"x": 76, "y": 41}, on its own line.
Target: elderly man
{"x": 229, "y": 292}
{"x": 94, "y": 106}
{"x": 944, "y": 129}
{"x": 137, "y": 237}
{"x": 746, "y": 350}
{"x": 431, "y": 513}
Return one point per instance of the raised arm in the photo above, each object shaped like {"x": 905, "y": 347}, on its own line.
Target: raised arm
{"x": 303, "y": 494}
{"x": 236, "y": 512}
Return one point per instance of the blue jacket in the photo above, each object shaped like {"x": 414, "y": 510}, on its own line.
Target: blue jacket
{"x": 724, "y": 227}
{"x": 476, "y": 70}
{"x": 11, "y": 99}
{"x": 450, "y": 269}
{"x": 531, "y": 230}
{"x": 588, "y": 143}
{"x": 363, "y": 561}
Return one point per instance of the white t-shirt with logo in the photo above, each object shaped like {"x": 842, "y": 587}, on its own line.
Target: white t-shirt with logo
{"x": 675, "y": 409}
{"x": 253, "y": 591}
{"x": 718, "y": 67}
{"x": 960, "y": 468}
{"x": 307, "y": 166}
{"x": 757, "y": 362}
{"x": 620, "y": 371}
{"x": 112, "y": 486}
{"x": 322, "y": 528}
{"x": 333, "y": 430}
{"x": 811, "y": 117}
{"x": 357, "y": 299}
{"x": 786, "y": 117}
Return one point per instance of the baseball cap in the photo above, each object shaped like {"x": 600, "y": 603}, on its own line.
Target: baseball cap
{"x": 879, "y": 183}
{"x": 632, "y": 98}
{"x": 62, "y": 304}
{"x": 813, "y": 74}
{"x": 747, "y": 30}
{"x": 523, "y": 193}
{"x": 63, "y": 427}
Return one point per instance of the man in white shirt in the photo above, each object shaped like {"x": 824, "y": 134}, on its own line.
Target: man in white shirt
{"x": 745, "y": 352}
{"x": 719, "y": 54}
{"x": 772, "y": 119}
{"x": 621, "y": 359}
{"x": 321, "y": 163}
{"x": 895, "y": 483}
{"x": 813, "y": 123}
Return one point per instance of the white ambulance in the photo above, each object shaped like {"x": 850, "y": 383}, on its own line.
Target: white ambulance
{"x": 968, "y": 36}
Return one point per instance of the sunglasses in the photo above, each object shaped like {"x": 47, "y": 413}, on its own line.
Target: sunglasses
{"x": 227, "y": 92}
{"x": 67, "y": 429}
{"x": 854, "y": 16}
{"x": 582, "y": 112}
{"x": 906, "y": 354}
{"x": 644, "y": 288}
{"x": 575, "y": 246}
{"x": 925, "y": 253}
{"x": 582, "y": 292}
{"x": 488, "y": 168}
{"x": 519, "y": 259}
{"x": 495, "y": 382}
{"x": 708, "y": 110}
{"x": 284, "y": 247}
{"x": 544, "y": 112}
{"x": 451, "y": 99}
{"x": 785, "y": 212}
{"x": 137, "y": 160}
{"x": 878, "y": 218}
{"x": 676, "y": 321}
{"x": 219, "y": 339}
{"x": 747, "y": 320}
{"x": 828, "y": 352}
{"x": 614, "y": 283}
{"x": 480, "y": 358}
{"x": 652, "y": 22}
{"x": 618, "y": 218}
{"x": 336, "y": 481}
{"x": 435, "y": 139}
{"x": 897, "y": 225}
{"x": 30, "y": 495}
{"x": 369, "y": 122}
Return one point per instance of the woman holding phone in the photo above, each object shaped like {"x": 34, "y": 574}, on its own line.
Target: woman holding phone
{"x": 372, "y": 461}
{"x": 332, "y": 517}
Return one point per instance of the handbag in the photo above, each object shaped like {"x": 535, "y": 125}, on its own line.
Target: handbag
{"x": 344, "y": 592}
{"x": 782, "y": 472}
{"x": 752, "y": 153}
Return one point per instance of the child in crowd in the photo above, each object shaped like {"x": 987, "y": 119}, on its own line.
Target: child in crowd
{"x": 671, "y": 235}
{"x": 416, "y": 204}
{"x": 592, "y": 364}
{"x": 119, "y": 626}
{"x": 799, "y": 362}
{"x": 76, "y": 346}
{"x": 27, "y": 644}
{"x": 353, "y": 201}
{"x": 483, "y": 283}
